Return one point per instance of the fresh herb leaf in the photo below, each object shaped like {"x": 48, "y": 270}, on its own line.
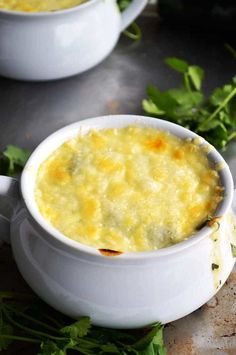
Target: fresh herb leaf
{"x": 196, "y": 74}
{"x": 110, "y": 349}
{"x": 163, "y": 100}
{"x": 78, "y": 329}
{"x": 38, "y": 323}
{"x": 48, "y": 347}
{"x": 220, "y": 94}
{"x": 152, "y": 343}
{"x": 150, "y": 107}
{"x": 192, "y": 74}
{"x": 177, "y": 64}
{"x": 214, "y": 117}
{"x": 134, "y": 31}
{"x": 214, "y": 266}
{"x": 186, "y": 98}
{"x": 13, "y": 159}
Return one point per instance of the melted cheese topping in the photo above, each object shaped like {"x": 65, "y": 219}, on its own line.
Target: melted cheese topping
{"x": 37, "y": 5}
{"x": 130, "y": 189}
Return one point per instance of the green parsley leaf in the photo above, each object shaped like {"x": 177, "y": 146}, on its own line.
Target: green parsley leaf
{"x": 133, "y": 31}
{"x": 196, "y": 75}
{"x": 186, "y": 98}
{"x": 213, "y": 117}
{"x": 207, "y": 126}
{"x": 177, "y": 64}
{"x": 163, "y": 100}
{"x": 110, "y": 349}
{"x": 79, "y": 337}
{"x": 220, "y": 94}
{"x": 78, "y": 329}
{"x": 49, "y": 347}
{"x": 152, "y": 343}
{"x": 13, "y": 159}
{"x": 150, "y": 107}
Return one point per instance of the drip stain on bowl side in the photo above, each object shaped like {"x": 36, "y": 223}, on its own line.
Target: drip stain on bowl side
{"x": 211, "y": 330}
{"x": 109, "y": 252}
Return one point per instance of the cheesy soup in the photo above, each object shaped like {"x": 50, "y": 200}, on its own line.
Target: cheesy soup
{"x": 37, "y": 5}
{"x": 130, "y": 189}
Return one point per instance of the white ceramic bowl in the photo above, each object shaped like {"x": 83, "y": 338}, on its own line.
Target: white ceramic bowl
{"x": 54, "y": 45}
{"x": 132, "y": 289}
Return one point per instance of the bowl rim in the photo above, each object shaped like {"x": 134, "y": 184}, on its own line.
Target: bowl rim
{"x": 57, "y": 138}
{"x": 81, "y": 6}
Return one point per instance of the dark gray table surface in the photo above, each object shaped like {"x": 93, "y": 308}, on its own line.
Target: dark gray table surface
{"x": 29, "y": 112}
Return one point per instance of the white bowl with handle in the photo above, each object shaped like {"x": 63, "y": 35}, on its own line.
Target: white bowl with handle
{"x": 123, "y": 291}
{"x": 54, "y": 45}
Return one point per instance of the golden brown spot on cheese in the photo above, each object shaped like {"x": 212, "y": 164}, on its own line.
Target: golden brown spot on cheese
{"x": 58, "y": 172}
{"x": 196, "y": 209}
{"x": 157, "y": 144}
{"x": 91, "y": 230}
{"x": 178, "y": 154}
{"x": 208, "y": 206}
{"x": 108, "y": 165}
{"x": 89, "y": 208}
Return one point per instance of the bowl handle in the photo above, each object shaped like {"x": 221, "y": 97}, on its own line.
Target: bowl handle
{"x": 132, "y": 11}
{"x": 9, "y": 196}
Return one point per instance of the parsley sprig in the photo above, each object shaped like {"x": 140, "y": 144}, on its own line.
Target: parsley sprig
{"x": 12, "y": 160}
{"x": 214, "y": 117}
{"x": 134, "y": 31}
{"x": 26, "y": 318}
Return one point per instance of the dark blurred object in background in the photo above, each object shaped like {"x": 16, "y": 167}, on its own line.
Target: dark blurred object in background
{"x": 213, "y": 15}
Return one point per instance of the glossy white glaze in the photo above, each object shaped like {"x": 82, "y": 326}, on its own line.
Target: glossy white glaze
{"x": 126, "y": 291}
{"x": 47, "y": 46}
{"x": 118, "y": 293}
